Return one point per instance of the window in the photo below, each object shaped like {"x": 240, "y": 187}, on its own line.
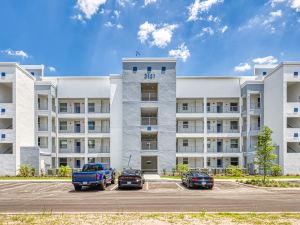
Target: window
{"x": 39, "y": 141}
{"x": 296, "y": 110}
{"x": 208, "y": 162}
{"x": 32, "y": 73}
{"x": 208, "y": 106}
{"x": 91, "y": 107}
{"x": 258, "y": 122}
{"x": 185, "y": 124}
{"x": 185, "y": 161}
{"x": 63, "y": 107}
{"x": 296, "y": 135}
{"x": 185, "y": 143}
{"x": 296, "y": 74}
{"x": 77, "y": 163}
{"x": 62, "y": 161}
{"x": 91, "y": 143}
{"x": 3, "y": 136}
{"x": 63, "y": 144}
{"x": 185, "y": 106}
{"x": 234, "y": 161}
{"x": 91, "y": 125}
{"x": 3, "y": 110}
{"x": 134, "y": 69}
{"x": 264, "y": 73}
{"x": 63, "y": 125}
{"x": 149, "y": 69}
{"x": 258, "y": 102}
{"x": 208, "y": 143}
{"x": 233, "y": 125}
{"x": 233, "y": 107}
{"x": 3, "y": 74}
{"x": 163, "y": 70}
{"x": 208, "y": 125}
{"x": 234, "y": 143}
{"x": 219, "y": 163}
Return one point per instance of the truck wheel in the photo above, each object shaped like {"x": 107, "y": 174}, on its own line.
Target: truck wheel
{"x": 112, "y": 181}
{"x": 77, "y": 188}
{"x": 102, "y": 186}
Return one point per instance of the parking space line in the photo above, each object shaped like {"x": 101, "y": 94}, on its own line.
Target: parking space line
{"x": 147, "y": 186}
{"x": 15, "y": 187}
{"x": 114, "y": 187}
{"x": 179, "y": 186}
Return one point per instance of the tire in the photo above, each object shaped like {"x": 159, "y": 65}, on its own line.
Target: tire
{"x": 77, "y": 188}
{"x": 113, "y": 181}
{"x": 102, "y": 186}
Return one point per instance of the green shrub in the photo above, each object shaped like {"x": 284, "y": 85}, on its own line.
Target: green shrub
{"x": 276, "y": 170}
{"x": 234, "y": 171}
{"x": 26, "y": 171}
{"x": 64, "y": 171}
{"x": 182, "y": 168}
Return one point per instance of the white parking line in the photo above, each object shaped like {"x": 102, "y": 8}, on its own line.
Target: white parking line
{"x": 147, "y": 186}
{"x": 15, "y": 187}
{"x": 114, "y": 187}
{"x": 179, "y": 186}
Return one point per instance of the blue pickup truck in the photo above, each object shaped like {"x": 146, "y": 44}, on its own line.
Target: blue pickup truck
{"x": 93, "y": 174}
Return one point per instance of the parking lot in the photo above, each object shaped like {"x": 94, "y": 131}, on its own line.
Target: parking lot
{"x": 154, "y": 197}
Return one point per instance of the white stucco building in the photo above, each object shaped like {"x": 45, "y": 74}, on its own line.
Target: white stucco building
{"x": 147, "y": 117}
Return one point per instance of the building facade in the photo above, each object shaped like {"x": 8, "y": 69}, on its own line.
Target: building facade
{"x": 147, "y": 117}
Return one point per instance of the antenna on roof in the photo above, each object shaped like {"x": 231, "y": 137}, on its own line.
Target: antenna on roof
{"x": 137, "y": 53}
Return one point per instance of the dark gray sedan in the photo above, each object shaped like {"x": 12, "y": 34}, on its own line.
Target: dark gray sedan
{"x": 131, "y": 178}
{"x": 197, "y": 179}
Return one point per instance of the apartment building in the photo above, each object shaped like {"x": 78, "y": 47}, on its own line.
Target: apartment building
{"x": 147, "y": 117}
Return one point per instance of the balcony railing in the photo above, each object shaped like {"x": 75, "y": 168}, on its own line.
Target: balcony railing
{"x": 42, "y": 107}
{"x": 189, "y": 109}
{"x": 149, "y": 145}
{"x": 43, "y": 146}
{"x": 255, "y": 105}
{"x": 42, "y": 128}
{"x": 149, "y": 121}
{"x": 99, "y": 129}
{"x": 71, "y": 110}
{"x": 223, "y": 150}
{"x": 99, "y": 149}
{"x": 222, "y": 109}
{"x": 190, "y": 129}
{"x": 104, "y": 109}
{"x": 190, "y": 149}
{"x": 71, "y": 129}
{"x": 223, "y": 129}
{"x": 75, "y": 149}
{"x": 149, "y": 96}
{"x": 254, "y": 127}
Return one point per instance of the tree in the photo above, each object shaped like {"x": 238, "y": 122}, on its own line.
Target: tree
{"x": 264, "y": 152}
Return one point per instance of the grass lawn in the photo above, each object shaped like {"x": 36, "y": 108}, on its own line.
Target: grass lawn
{"x": 169, "y": 218}
{"x": 269, "y": 183}
{"x": 238, "y": 178}
{"x": 35, "y": 178}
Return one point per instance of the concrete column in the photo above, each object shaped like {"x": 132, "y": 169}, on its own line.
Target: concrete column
{"x": 205, "y": 133}
{"x": 86, "y": 130}
{"x": 56, "y": 131}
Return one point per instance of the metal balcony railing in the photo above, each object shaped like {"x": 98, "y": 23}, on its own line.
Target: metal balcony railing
{"x": 190, "y": 149}
{"x": 149, "y": 145}
{"x": 223, "y": 109}
{"x": 223, "y": 129}
{"x": 254, "y": 127}
{"x": 75, "y": 149}
{"x": 103, "y": 109}
{"x": 149, "y": 121}
{"x": 99, "y": 149}
{"x": 71, "y": 129}
{"x": 190, "y": 109}
{"x": 189, "y": 129}
{"x": 255, "y": 105}
{"x": 149, "y": 96}
{"x": 42, "y": 128}
{"x": 71, "y": 110}
{"x": 98, "y": 129}
{"x": 223, "y": 150}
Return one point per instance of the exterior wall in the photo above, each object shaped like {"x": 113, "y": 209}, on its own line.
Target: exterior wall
{"x": 31, "y": 156}
{"x": 8, "y": 164}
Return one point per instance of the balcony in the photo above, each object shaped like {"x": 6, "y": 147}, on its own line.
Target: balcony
{"x": 71, "y": 106}
{"x": 42, "y": 127}
{"x": 189, "y": 129}
{"x": 223, "y": 129}
{"x": 149, "y": 92}
{"x": 75, "y": 149}
{"x": 71, "y": 129}
{"x": 189, "y": 109}
{"x": 149, "y": 145}
{"x": 149, "y": 121}
{"x": 223, "y": 150}
{"x": 98, "y": 129}
{"x": 98, "y": 106}
{"x": 99, "y": 149}
{"x": 222, "y": 109}
{"x": 6, "y": 93}
{"x": 190, "y": 149}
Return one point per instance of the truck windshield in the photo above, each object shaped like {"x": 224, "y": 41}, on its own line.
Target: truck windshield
{"x": 91, "y": 168}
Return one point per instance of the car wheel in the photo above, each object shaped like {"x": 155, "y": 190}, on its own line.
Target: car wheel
{"x": 77, "y": 188}
{"x": 102, "y": 186}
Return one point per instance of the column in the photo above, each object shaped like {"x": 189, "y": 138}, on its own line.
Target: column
{"x": 86, "y": 130}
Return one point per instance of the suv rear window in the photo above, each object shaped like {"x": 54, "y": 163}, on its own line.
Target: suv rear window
{"x": 91, "y": 168}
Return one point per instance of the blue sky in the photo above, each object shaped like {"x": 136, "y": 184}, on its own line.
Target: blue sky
{"x": 90, "y": 37}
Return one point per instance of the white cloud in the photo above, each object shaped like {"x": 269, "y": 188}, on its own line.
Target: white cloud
{"x": 109, "y": 24}
{"x": 200, "y": 6}
{"x": 124, "y": 3}
{"x": 275, "y": 2}
{"x": 295, "y": 4}
{"x": 161, "y": 35}
{"x": 208, "y": 30}
{"x": 265, "y": 60}
{"x": 242, "y": 67}
{"x": 182, "y": 52}
{"x": 224, "y": 29}
{"x": 147, "y": 2}
{"x": 117, "y": 13}
{"x": 51, "y": 69}
{"x": 87, "y": 8}
{"x": 277, "y": 13}
{"x": 17, "y": 53}
{"x": 211, "y": 18}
